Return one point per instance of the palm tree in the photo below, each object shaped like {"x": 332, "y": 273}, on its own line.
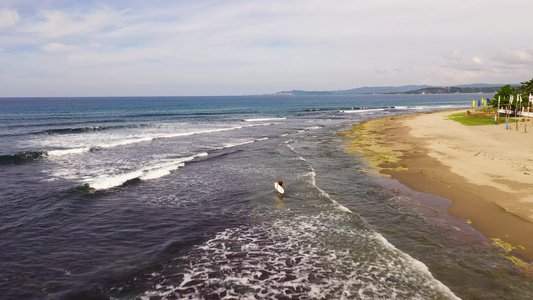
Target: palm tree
{"x": 527, "y": 87}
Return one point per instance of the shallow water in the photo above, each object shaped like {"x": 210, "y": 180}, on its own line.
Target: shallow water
{"x": 167, "y": 198}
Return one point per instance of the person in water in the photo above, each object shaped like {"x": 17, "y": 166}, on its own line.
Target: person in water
{"x": 280, "y": 183}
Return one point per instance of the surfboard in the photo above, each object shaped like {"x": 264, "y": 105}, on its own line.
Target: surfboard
{"x": 279, "y": 188}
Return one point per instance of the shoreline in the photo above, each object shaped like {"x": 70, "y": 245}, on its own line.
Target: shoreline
{"x": 481, "y": 169}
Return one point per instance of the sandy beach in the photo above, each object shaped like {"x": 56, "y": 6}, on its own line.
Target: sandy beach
{"x": 486, "y": 171}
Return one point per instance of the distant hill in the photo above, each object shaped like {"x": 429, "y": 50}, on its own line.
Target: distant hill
{"x": 361, "y": 90}
{"x": 405, "y": 89}
{"x": 455, "y": 90}
{"x": 382, "y": 89}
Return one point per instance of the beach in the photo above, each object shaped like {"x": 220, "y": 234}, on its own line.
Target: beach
{"x": 486, "y": 171}
{"x": 173, "y": 197}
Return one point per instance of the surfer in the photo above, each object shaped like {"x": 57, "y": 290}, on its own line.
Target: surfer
{"x": 280, "y": 183}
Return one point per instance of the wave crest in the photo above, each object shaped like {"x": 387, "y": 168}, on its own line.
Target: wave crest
{"x": 22, "y": 157}
{"x": 147, "y": 173}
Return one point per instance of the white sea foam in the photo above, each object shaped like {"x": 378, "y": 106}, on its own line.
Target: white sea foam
{"x": 68, "y": 151}
{"x": 264, "y": 119}
{"x": 426, "y": 107}
{"x": 101, "y": 145}
{"x": 359, "y": 111}
{"x": 312, "y": 176}
{"x": 147, "y": 173}
{"x": 317, "y": 256}
{"x": 206, "y": 131}
{"x": 125, "y": 142}
{"x": 262, "y": 124}
{"x": 289, "y": 145}
{"x": 312, "y": 180}
{"x": 418, "y": 266}
{"x": 107, "y": 182}
{"x": 112, "y": 142}
{"x": 240, "y": 143}
{"x": 161, "y": 170}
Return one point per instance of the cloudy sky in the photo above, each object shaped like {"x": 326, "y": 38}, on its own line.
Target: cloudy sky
{"x": 238, "y": 47}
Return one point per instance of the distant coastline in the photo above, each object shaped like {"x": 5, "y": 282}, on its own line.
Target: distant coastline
{"x": 479, "y": 88}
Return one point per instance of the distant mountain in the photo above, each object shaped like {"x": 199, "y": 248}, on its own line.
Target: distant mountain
{"x": 405, "y": 89}
{"x": 456, "y": 90}
{"x": 382, "y": 89}
{"x": 361, "y": 90}
{"x": 481, "y": 85}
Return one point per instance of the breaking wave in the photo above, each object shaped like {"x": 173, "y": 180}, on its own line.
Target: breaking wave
{"x": 147, "y": 173}
{"x": 23, "y": 156}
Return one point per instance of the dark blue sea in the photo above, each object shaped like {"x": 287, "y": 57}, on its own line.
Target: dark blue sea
{"x": 173, "y": 198}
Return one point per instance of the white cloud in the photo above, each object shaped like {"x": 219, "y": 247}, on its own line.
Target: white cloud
{"x": 8, "y": 18}
{"x": 268, "y": 45}
{"x": 458, "y": 61}
{"x": 57, "y": 47}
{"x": 515, "y": 58}
{"x": 57, "y": 24}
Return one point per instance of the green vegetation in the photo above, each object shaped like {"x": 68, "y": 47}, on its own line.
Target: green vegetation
{"x": 454, "y": 90}
{"x": 504, "y": 94}
{"x": 476, "y": 119}
{"x": 507, "y": 91}
{"x": 472, "y": 119}
{"x": 368, "y": 140}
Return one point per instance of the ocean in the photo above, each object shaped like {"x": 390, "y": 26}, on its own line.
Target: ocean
{"x": 173, "y": 198}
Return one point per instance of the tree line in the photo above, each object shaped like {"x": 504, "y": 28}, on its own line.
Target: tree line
{"x": 506, "y": 92}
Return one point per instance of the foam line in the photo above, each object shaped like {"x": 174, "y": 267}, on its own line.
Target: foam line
{"x": 312, "y": 174}
{"x": 264, "y": 119}
{"x": 354, "y": 111}
{"x": 68, "y": 151}
{"x": 135, "y": 140}
{"x": 417, "y": 265}
{"x": 125, "y": 142}
{"x": 231, "y": 145}
{"x": 197, "y": 132}
{"x": 107, "y": 182}
{"x": 146, "y": 173}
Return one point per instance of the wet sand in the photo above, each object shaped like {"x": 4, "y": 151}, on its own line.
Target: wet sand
{"x": 486, "y": 171}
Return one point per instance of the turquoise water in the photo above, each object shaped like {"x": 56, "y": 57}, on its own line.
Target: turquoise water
{"x": 171, "y": 198}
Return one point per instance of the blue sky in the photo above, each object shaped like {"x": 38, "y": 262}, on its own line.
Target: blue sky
{"x": 182, "y": 48}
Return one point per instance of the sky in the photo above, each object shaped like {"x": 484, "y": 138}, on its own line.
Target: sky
{"x": 68, "y": 48}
